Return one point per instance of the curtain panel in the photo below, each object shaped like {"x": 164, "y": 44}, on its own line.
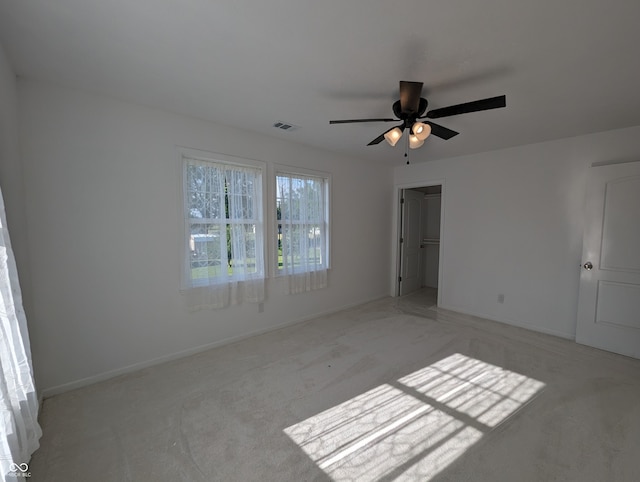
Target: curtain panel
{"x": 224, "y": 249}
{"x": 18, "y": 399}
{"x": 302, "y": 231}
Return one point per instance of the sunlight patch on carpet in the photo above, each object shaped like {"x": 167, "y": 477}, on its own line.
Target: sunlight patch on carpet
{"x": 416, "y": 426}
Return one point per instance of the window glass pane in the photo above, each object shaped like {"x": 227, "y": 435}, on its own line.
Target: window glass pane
{"x": 241, "y": 192}
{"x": 248, "y": 256}
{"x": 207, "y": 258}
{"x": 205, "y": 196}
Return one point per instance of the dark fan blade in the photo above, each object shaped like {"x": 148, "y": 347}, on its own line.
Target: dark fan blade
{"x": 377, "y": 140}
{"x": 380, "y": 138}
{"x": 441, "y": 132}
{"x": 410, "y": 96}
{"x": 350, "y": 121}
{"x": 475, "y": 106}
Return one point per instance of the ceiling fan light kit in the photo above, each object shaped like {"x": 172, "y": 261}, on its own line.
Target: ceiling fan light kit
{"x": 410, "y": 110}
{"x": 414, "y": 142}
{"x": 421, "y": 131}
{"x": 393, "y": 136}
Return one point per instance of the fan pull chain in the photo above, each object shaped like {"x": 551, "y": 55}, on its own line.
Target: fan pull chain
{"x": 406, "y": 148}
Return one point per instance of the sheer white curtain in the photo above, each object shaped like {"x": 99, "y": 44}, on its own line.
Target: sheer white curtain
{"x": 224, "y": 259}
{"x": 302, "y": 230}
{"x": 18, "y": 400}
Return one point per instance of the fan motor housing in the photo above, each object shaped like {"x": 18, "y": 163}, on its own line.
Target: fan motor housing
{"x": 412, "y": 116}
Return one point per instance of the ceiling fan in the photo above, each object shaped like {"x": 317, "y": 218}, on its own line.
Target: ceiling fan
{"x": 410, "y": 110}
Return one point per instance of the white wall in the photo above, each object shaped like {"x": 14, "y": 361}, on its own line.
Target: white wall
{"x": 513, "y": 223}
{"x": 102, "y": 183}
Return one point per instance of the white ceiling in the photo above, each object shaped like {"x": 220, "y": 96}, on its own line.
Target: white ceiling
{"x": 568, "y": 67}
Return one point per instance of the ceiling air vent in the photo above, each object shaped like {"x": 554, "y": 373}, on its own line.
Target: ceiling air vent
{"x": 285, "y": 126}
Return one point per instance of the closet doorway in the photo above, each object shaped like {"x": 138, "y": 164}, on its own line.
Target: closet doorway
{"x": 420, "y": 217}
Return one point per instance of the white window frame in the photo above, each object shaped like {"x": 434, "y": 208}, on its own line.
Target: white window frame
{"x": 281, "y": 169}
{"x": 185, "y": 153}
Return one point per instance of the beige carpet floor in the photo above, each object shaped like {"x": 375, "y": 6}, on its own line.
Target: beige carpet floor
{"x": 392, "y": 390}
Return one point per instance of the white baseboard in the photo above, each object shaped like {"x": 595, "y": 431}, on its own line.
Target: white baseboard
{"x": 83, "y": 382}
{"x": 519, "y": 324}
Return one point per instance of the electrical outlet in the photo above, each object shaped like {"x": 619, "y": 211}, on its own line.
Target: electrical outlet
{"x": 501, "y": 298}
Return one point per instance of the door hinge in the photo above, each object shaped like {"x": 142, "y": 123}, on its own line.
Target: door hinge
{"x": 401, "y": 240}
{"x": 402, "y": 201}
{"x": 399, "y": 279}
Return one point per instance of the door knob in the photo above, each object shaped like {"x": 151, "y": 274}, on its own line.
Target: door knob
{"x": 588, "y": 266}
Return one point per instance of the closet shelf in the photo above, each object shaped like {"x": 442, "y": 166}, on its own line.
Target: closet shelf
{"x": 430, "y": 241}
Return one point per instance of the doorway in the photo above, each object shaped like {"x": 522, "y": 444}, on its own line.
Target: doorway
{"x": 419, "y": 242}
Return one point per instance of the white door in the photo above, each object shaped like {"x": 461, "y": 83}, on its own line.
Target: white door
{"x": 411, "y": 274}
{"x": 609, "y": 302}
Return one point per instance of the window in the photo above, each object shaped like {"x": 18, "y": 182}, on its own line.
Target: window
{"x": 224, "y": 241}
{"x": 302, "y": 230}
